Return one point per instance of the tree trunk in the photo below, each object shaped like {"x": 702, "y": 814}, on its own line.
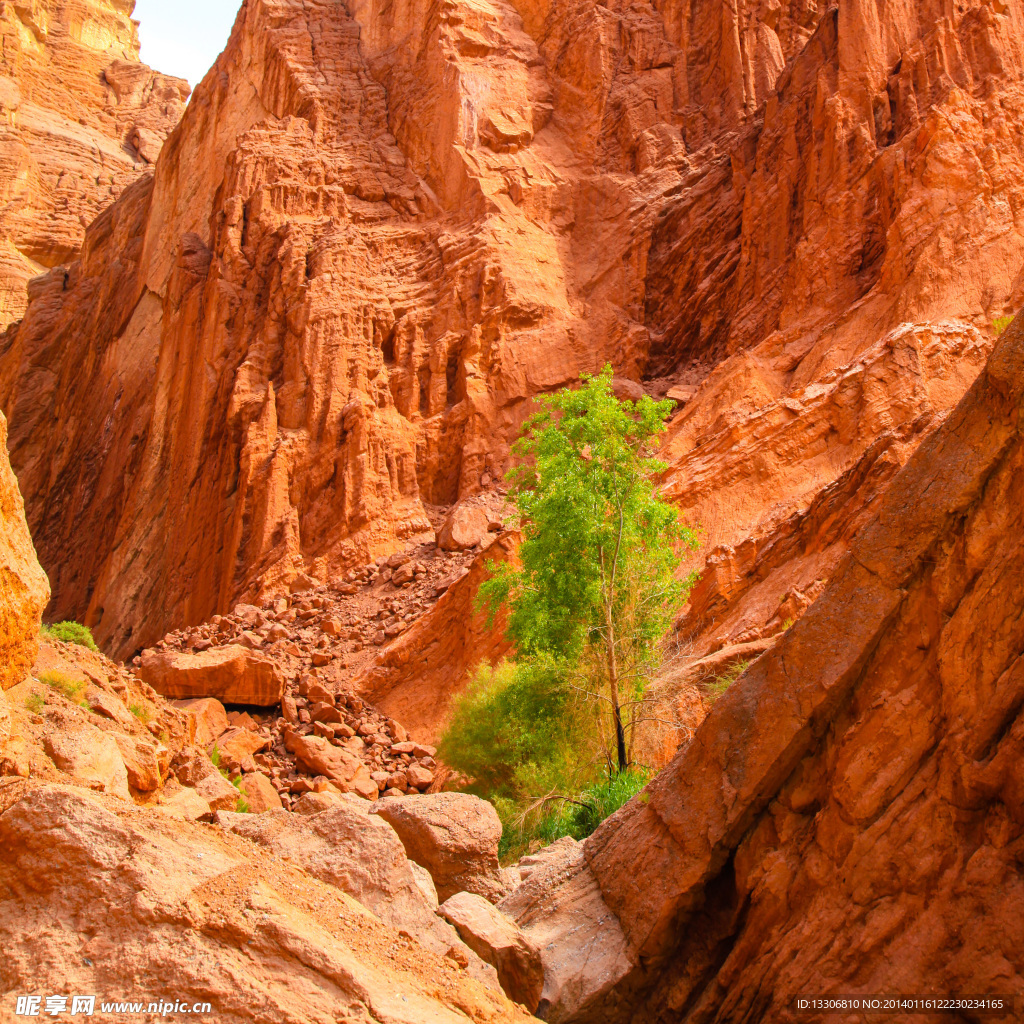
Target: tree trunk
{"x": 613, "y": 684}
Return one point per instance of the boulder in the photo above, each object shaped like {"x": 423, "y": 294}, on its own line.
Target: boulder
{"x": 314, "y": 803}
{"x": 232, "y": 674}
{"x": 181, "y": 802}
{"x": 218, "y": 792}
{"x": 562, "y": 914}
{"x": 498, "y": 941}
{"x": 24, "y": 589}
{"x": 145, "y": 761}
{"x": 464, "y": 527}
{"x": 319, "y": 757}
{"x": 210, "y": 717}
{"x": 191, "y": 764}
{"x": 89, "y": 756}
{"x": 454, "y": 836}
{"x": 259, "y": 793}
{"x": 236, "y": 747}
{"x": 360, "y": 854}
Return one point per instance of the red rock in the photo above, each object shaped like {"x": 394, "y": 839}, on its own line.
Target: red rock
{"x": 465, "y": 527}
{"x": 236, "y": 747}
{"x": 418, "y": 776}
{"x": 231, "y": 674}
{"x": 25, "y": 591}
{"x": 454, "y": 836}
{"x": 259, "y": 793}
{"x": 85, "y": 118}
{"x": 498, "y": 941}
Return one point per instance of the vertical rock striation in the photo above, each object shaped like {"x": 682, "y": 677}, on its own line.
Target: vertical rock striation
{"x": 80, "y": 118}
{"x": 24, "y": 589}
{"x": 380, "y": 230}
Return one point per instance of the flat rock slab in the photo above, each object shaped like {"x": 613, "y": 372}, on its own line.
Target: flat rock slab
{"x": 232, "y": 674}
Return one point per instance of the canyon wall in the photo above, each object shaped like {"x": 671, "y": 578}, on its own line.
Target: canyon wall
{"x": 80, "y": 119}
{"x": 379, "y": 230}
{"x": 868, "y": 839}
{"x": 24, "y": 590}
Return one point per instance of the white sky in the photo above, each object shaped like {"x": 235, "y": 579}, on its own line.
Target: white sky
{"x": 184, "y": 37}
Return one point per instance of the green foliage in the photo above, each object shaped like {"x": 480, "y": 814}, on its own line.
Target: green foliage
{"x": 142, "y": 712}
{"x": 242, "y": 807}
{"x": 64, "y": 684}
{"x": 727, "y": 678}
{"x": 577, "y": 816}
{"x": 1001, "y": 323}
{"x": 596, "y": 587}
{"x": 35, "y": 702}
{"x": 513, "y": 732}
{"x": 215, "y": 756}
{"x": 71, "y": 633}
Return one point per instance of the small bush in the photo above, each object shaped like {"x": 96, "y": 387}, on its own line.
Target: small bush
{"x": 1001, "y": 323}
{"x": 215, "y": 756}
{"x": 64, "y": 685}
{"x": 35, "y": 702}
{"x": 71, "y": 633}
{"x": 242, "y": 807}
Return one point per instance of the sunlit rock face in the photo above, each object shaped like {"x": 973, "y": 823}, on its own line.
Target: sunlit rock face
{"x": 381, "y": 229}
{"x": 80, "y": 119}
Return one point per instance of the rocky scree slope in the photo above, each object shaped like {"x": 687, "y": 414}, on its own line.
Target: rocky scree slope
{"x": 376, "y": 234}
{"x": 80, "y": 119}
{"x": 870, "y": 835}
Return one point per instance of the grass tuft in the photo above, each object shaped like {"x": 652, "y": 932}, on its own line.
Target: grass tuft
{"x": 35, "y": 702}
{"x": 142, "y": 712}
{"x": 1001, "y": 323}
{"x": 63, "y": 684}
{"x": 722, "y": 683}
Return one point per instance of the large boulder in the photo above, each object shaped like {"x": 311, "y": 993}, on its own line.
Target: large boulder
{"x": 259, "y": 793}
{"x": 209, "y": 715}
{"x": 464, "y": 527}
{"x": 320, "y": 757}
{"x": 145, "y": 761}
{"x": 89, "y": 756}
{"x": 454, "y": 836}
{"x": 24, "y": 589}
{"x": 358, "y": 853}
{"x": 498, "y": 941}
{"x": 232, "y": 674}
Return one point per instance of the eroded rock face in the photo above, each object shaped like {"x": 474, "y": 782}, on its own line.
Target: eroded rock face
{"x": 518, "y": 195}
{"x": 877, "y": 795}
{"x": 24, "y": 589}
{"x": 80, "y": 119}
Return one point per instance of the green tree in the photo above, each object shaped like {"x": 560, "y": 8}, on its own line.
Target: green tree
{"x": 596, "y": 586}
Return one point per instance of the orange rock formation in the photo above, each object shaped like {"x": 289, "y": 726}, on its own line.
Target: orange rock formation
{"x": 379, "y": 231}
{"x": 80, "y": 119}
{"x": 24, "y": 590}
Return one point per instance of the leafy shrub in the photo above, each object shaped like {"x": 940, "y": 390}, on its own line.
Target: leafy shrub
{"x": 64, "y": 684}
{"x": 1001, "y": 323}
{"x": 71, "y": 633}
{"x": 513, "y": 733}
{"x": 35, "y": 702}
{"x": 242, "y": 807}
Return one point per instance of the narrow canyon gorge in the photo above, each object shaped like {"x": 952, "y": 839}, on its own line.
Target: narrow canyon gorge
{"x": 267, "y": 346}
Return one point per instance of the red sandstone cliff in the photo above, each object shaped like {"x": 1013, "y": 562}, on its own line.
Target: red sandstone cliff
{"x": 80, "y": 119}
{"x": 378, "y": 231}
